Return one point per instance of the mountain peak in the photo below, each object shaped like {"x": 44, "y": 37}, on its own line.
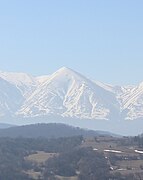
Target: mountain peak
{"x": 68, "y": 72}
{"x": 65, "y": 70}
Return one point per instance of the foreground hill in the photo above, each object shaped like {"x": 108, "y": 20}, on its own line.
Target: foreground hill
{"x": 51, "y": 130}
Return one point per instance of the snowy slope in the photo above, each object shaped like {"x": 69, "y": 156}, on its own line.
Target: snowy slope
{"x": 24, "y": 82}
{"x": 68, "y": 93}
{"x": 133, "y": 102}
{"x": 10, "y": 98}
{"x": 41, "y": 79}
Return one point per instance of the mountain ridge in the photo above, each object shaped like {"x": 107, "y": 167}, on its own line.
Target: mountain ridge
{"x": 50, "y": 130}
{"x": 67, "y": 93}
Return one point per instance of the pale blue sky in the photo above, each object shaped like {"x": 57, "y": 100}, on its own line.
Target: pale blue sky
{"x": 102, "y": 39}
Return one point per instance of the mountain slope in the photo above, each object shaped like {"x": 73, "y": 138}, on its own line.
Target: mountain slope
{"x": 24, "y": 82}
{"x": 69, "y": 94}
{"x": 133, "y": 103}
{"x": 10, "y": 98}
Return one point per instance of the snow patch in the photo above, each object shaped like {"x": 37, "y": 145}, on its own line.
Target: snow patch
{"x": 113, "y": 151}
{"x": 140, "y": 152}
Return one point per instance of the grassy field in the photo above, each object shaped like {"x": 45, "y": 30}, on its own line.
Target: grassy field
{"x": 134, "y": 164}
{"x": 66, "y": 178}
{"x": 40, "y": 157}
{"x": 33, "y": 174}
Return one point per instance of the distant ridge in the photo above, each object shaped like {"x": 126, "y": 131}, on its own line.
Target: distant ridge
{"x": 51, "y": 130}
{"x": 5, "y": 126}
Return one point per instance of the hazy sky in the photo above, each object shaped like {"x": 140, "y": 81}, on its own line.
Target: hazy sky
{"x": 102, "y": 39}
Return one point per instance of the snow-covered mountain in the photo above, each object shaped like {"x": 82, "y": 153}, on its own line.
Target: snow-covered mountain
{"x": 67, "y": 93}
